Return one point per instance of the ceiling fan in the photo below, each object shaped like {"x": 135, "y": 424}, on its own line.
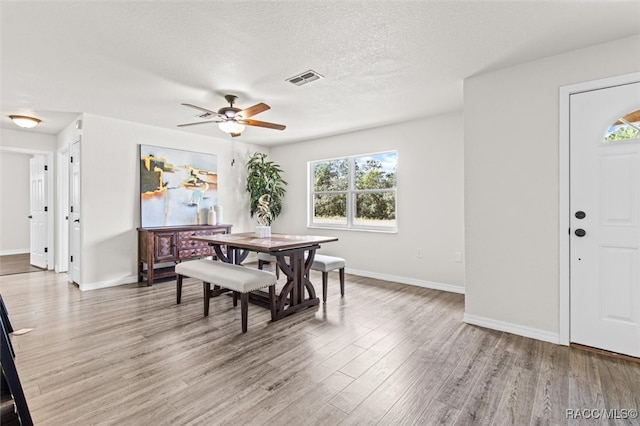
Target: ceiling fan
{"x": 232, "y": 120}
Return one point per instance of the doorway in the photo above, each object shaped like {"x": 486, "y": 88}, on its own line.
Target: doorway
{"x": 41, "y": 244}
{"x": 600, "y": 215}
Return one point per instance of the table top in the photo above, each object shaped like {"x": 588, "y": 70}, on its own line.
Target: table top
{"x": 276, "y": 242}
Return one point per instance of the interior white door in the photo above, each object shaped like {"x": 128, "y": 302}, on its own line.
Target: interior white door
{"x": 605, "y": 218}
{"x": 38, "y": 211}
{"x": 74, "y": 214}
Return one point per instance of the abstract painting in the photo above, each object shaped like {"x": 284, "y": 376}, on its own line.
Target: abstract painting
{"x": 176, "y": 187}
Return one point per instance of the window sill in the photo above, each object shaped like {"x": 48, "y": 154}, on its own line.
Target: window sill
{"x": 339, "y": 228}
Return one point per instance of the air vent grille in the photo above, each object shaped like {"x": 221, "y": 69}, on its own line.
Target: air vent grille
{"x": 304, "y": 78}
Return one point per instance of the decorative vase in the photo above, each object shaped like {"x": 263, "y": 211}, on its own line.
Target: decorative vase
{"x": 211, "y": 217}
{"x": 263, "y": 231}
{"x": 218, "y": 209}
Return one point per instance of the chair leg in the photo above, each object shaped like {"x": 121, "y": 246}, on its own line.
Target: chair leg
{"x": 178, "y": 288}
{"x": 272, "y": 301}
{"x": 235, "y": 299}
{"x": 325, "y": 278}
{"x": 260, "y": 264}
{"x": 244, "y": 309}
{"x": 342, "y": 282}
{"x": 207, "y": 294}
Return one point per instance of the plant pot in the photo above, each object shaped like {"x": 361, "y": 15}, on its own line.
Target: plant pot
{"x": 263, "y": 231}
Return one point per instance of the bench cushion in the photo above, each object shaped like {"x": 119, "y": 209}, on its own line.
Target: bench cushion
{"x": 321, "y": 262}
{"x": 234, "y": 277}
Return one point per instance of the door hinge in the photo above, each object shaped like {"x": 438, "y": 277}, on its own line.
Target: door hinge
{"x": 71, "y": 259}
{"x": 71, "y": 209}
{"x": 71, "y": 158}
{"x": 46, "y": 167}
{"x": 46, "y": 209}
{"x": 46, "y": 249}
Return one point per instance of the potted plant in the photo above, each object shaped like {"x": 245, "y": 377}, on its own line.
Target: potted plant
{"x": 266, "y": 189}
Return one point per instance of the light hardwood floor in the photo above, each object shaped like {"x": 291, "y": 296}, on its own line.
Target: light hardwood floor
{"x": 384, "y": 354}
{"x": 16, "y": 264}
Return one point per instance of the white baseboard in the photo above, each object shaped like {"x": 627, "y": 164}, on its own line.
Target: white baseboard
{"x": 520, "y": 330}
{"x": 110, "y": 283}
{"x": 13, "y": 251}
{"x": 404, "y": 280}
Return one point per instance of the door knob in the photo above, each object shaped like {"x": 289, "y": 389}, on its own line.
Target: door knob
{"x": 30, "y": 217}
{"x": 77, "y": 220}
{"x": 580, "y": 232}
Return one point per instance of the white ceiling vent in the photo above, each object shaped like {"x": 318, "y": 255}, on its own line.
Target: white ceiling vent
{"x": 304, "y": 78}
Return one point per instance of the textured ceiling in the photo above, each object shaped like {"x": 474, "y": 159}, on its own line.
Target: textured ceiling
{"x": 383, "y": 61}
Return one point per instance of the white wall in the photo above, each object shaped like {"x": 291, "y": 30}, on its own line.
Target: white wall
{"x": 27, "y": 140}
{"x": 110, "y": 195}
{"x": 430, "y": 201}
{"x": 512, "y": 189}
{"x": 14, "y": 208}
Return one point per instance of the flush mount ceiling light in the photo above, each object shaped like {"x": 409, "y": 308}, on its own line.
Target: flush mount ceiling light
{"x": 24, "y": 121}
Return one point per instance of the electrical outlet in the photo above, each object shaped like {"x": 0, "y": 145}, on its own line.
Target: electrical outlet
{"x": 419, "y": 253}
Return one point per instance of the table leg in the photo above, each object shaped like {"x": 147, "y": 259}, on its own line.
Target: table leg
{"x": 292, "y": 298}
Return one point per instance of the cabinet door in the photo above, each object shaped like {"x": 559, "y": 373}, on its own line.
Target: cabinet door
{"x": 165, "y": 246}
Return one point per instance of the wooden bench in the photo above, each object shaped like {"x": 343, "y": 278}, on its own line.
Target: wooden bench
{"x": 236, "y": 278}
{"x": 321, "y": 262}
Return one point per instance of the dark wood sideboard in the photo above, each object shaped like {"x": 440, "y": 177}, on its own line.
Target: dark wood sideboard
{"x": 172, "y": 244}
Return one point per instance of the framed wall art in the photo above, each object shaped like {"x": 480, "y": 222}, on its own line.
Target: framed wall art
{"x": 176, "y": 187}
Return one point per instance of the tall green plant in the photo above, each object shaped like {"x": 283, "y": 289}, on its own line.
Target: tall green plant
{"x": 265, "y": 178}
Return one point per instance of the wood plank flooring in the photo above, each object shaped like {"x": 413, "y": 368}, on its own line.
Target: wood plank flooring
{"x": 16, "y": 264}
{"x": 385, "y": 354}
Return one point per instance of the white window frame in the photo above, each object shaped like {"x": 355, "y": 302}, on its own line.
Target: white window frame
{"x": 351, "y": 194}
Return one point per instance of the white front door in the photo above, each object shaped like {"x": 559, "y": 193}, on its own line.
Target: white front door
{"x": 74, "y": 214}
{"x": 605, "y": 220}
{"x": 38, "y": 211}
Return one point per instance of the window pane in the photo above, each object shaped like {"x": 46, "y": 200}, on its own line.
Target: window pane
{"x": 376, "y": 171}
{"x": 375, "y": 209}
{"x": 625, "y": 128}
{"x": 330, "y": 208}
{"x": 331, "y": 175}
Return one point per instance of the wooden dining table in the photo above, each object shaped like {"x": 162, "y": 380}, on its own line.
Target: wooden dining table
{"x": 294, "y": 254}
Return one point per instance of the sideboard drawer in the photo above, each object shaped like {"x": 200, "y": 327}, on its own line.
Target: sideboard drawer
{"x": 190, "y": 253}
{"x": 185, "y": 241}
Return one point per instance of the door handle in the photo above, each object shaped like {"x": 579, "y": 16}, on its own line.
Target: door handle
{"x": 580, "y": 232}
{"x": 30, "y": 217}
{"x": 77, "y": 220}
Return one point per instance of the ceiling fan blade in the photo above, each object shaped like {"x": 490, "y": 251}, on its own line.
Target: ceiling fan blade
{"x": 263, "y": 124}
{"x": 199, "y": 122}
{"x": 201, "y": 109}
{"x": 253, "y": 110}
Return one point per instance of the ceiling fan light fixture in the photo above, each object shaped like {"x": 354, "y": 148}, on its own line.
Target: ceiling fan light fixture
{"x": 24, "y": 121}
{"x": 231, "y": 127}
